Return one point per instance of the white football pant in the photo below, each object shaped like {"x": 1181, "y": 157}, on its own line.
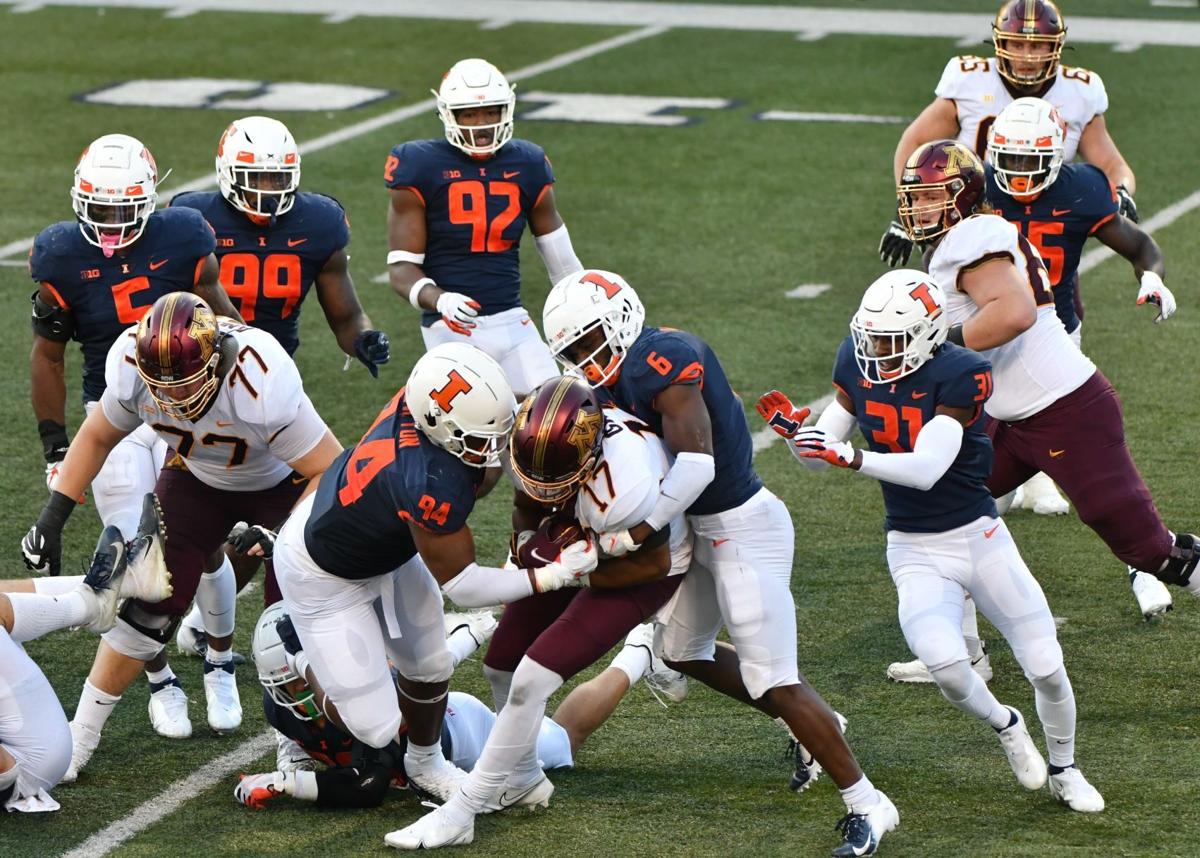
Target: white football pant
{"x": 512, "y": 340}
{"x": 470, "y": 722}
{"x": 33, "y": 728}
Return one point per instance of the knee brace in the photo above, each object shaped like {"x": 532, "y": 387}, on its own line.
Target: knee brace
{"x": 140, "y": 634}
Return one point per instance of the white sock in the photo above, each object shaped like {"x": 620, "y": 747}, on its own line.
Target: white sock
{"x": 970, "y": 628}
{"x": 501, "y": 682}
{"x": 59, "y": 586}
{"x": 633, "y": 661}
{"x": 158, "y": 677}
{"x": 94, "y": 707}
{"x": 216, "y": 596}
{"x": 421, "y": 755}
{"x": 860, "y": 797}
{"x": 194, "y": 618}
{"x": 35, "y": 615}
{"x": 219, "y": 657}
{"x": 1056, "y": 710}
{"x": 966, "y": 691}
{"x": 462, "y": 644}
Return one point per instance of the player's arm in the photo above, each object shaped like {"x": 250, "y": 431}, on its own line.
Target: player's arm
{"x": 1005, "y": 300}
{"x": 208, "y": 286}
{"x": 552, "y": 239}
{"x": 53, "y": 326}
{"x": 649, "y": 563}
{"x": 406, "y": 255}
{"x": 315, "y": 461}
{"x": 344, "y": 313}
{"x": 1136, "y": 245}
{"x": 1096, "y": 147}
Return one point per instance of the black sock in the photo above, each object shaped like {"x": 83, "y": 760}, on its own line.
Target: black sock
{"x": 1058, "y": 770}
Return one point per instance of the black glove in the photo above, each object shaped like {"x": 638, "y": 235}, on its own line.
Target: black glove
{"x": 244, "y": 536}
{"x": 54, "y": 441}
{"x": 1128, "y": 206}
{"x": 895, "y": 246}
{"x": 287, "y": 634}
{"x": 373, "y": 349}
{"x": 42, "y": 545}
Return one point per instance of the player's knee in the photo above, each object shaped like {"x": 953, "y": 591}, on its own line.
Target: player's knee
{"x": 532, "y": 683}
{"x": 954, "y": 680}
{"x": 371, "y": 723}
{"x": 1041, "y": 660}
{"x": 431, "y": 667}
{"x": 138, "y": 633}
{"x": 937, "y": 648}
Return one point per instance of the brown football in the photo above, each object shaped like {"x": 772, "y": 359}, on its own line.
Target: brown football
{"x": 555, "y": 533}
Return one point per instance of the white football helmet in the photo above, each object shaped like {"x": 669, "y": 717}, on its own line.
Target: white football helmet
{"x": 461, "y": 399}
{"x": 1026, "y": 146}
{"x": 476, "y": 83}
{"x": 114, "y": 192}
{"x": 901, "y": 321}
{"x": 270, "y": 660}
{"x": 258, "y": 166}
{"x": 587, "y": 301}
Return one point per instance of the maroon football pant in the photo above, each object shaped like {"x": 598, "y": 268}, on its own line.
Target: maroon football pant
{"x": 198, "y": 517}
{"x": 1079, "y": 441}
{"x": 567, "y": 630}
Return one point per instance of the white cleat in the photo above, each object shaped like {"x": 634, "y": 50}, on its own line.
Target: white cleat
{"x": 147, "y": 577}
{"x": 1072, "y": 789}
{"x": 438, "y": 779}
{"x": 1024, "y": 757}
{"x": 531, "y": 795}
{"x": 915, "y": 671}
{"x": 1040, "y": 495}
{"x": 660, "y": 679}
{"x": 169, "y": 712}
{"x": 84, "y": 741}
{"x": 431, "y": 831}
{"x": 221, "y": 693}
{"x": 290, "y": 757}
{"x": 1153, "y": 597}
{"x": 191, "y": 641}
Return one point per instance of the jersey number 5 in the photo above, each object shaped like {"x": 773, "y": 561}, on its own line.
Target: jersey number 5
{"x": 468, "y": 205}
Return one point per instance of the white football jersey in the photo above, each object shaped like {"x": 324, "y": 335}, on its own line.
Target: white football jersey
{"x": 1036, "y": 368}
{"x": 624, "y": 488}
{"x": 261, "y": 419}
{"x": 979, "y": 94}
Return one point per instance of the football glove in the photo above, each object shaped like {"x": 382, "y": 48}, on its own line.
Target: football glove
{"x": 374, "y": 349}
{"x": 1154, "y": 291}
{"x": 245, "y": 538}
{"x": 569, "y": 570}
{"x": 458, "y": 312}
{"x": 1128, "y": 208}
{"x": 288, "y": 637}
{"x": 814, "y": 443}
{"x": 618, "y": 543}
{"x": 780, "y": 414}
{"x": 42, "y": 546}
{"x": 895, "y": 246}
{"x": 256, "y": 790}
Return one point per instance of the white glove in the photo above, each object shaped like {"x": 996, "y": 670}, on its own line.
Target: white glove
{"x": 1156, "y": 292}
{"x": 256, "y": 790}
{"x": 814, "y": 443}
{"x": 569, "y": 570}
{"x": 458, "y": 311}
{"x": 616, "y": 544}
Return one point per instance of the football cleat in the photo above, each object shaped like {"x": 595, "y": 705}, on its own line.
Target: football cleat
{"x": 290, "y": 757}
{"x": 147, "y": 577}
{"x": 1040, "y": 495}
{"x": 191, "y": 641}
{"x": 660, "y": 679}
{"x": 84, "y": 741}
{"x": 861, "y": 832}
{"x": 1024, "y": 757}
{"x": 806, "y": 770}
{"x": 915, "y": 671}
{"x": 1153, "y": 597}
{"x": 532, "y": 795}
{"x": 432, "y": 830}
{"x": 104, "y": 577}
{"x": 1072, "y": 789}
{"x": 436, "y": 780}
{"x": 221, "y": 694}
{"x": 169, "y": 710}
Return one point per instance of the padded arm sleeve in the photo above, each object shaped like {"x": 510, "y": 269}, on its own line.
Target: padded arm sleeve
{"x": 348, "y": 787}
{"x": 556, "y": 251}
{"x": 937, "y": 446}
{"x": 687, "y": 479}
{"x": 483, "y": 586}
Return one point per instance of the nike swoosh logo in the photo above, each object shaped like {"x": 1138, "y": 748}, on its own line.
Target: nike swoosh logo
{"x": 1058, "y": 212}
{"x": 296, "y": 242}
{"x": 717, "y": 543}
{"x": 987, "y": 534}
{"x": 1056, "y": 454}
{"x": 919, "y": 395}
{"x": 1062, "y": 741}
{"x": 505, "y": 801}
{"x": 525, "y": 321}
{"x": 154, "y": 266}
{"x": 296, "y": 481}
{"x": 219, "y": 613}
{"x": 539, "y": 558}
{"x": 509, "y": 175}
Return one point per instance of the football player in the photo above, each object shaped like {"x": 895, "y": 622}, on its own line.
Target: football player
{"x": 458, "y": 209}
{"x": 35, "y": 741}
{"x": 919, "y": 403}
{"x": 1052, "y": 410}
{"x": 603, "y": 470}
{"x": 274, "y": 243}
{"x": 360, "y": 559}
{"x": 246, "y": 437}
{"x": 672, "y": 381}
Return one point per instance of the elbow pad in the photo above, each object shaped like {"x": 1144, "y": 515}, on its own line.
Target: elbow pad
{"x": 51, "y": 323}
{"x": 557, "y": 253}
{"x": 686, "y": 481}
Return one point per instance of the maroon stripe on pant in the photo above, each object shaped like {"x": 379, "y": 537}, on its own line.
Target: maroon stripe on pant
{"x": 567, "y": 630}
{"x": 1079, "y": 441}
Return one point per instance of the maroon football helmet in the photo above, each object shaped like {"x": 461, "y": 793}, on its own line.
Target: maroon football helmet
{"x": 179, "y": 353}
{"x": 942, "y": 165}
{"x": 1027, "y": 32}
{"x": 556, "y": 441}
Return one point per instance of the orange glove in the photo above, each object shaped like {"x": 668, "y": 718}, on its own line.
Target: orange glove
{"x": 780, "y": 414}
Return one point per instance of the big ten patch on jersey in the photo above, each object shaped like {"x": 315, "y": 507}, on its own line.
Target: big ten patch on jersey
{"x": 368, "y": 497}
{"x": 623, "y": 488}
{"x": 661, "y": 357}
{"x": 1058, "y": 222}
{"x": 106, "y": 295}
{"x": 475, "y": 213}
{"x": 268, "y": 268}
{"x": 891, "y": 416}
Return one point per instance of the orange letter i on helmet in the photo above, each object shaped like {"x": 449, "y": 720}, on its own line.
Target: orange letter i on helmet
{"x": 455, "y": 385}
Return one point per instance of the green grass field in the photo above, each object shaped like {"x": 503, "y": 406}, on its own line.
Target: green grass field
{"x": 712, "y": 222}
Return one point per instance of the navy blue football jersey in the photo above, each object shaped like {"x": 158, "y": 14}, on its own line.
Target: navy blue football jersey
{"x": 268, "y": 270}
{"x": 358, "y": 527}
{"x": 106, "y": 295}
{"x": 475, "y": 213}
{"x": 891, "y": 415}
{"x": 661, "y": 357}
{"x": 327, "y": 743}
{"x": 1058, "y": 224}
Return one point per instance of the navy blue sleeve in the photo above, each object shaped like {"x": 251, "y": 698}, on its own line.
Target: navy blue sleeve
{"x": 845, "y": 369}
{"x": 192, "y": 232}
{"x": 670, "y": 359}
{"x": 335, "y": 224}
{"x": 540, "y": 174}
{"x": 1098, "y": 202}
{"x": 42, "y": 258}
{"x": 443, "y": 499}
{"x": 406, "y": 167}
{"x": 187, "y": 199}
{"x": 966, "y": 380}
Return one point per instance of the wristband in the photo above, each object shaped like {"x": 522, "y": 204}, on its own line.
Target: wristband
{"x": 54, "y": 439}
{"x": 955, "y": 335}
{"x": 55, "y": 512}
{"x": 395, "y": 256}
{"x": 414, "y": 291}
